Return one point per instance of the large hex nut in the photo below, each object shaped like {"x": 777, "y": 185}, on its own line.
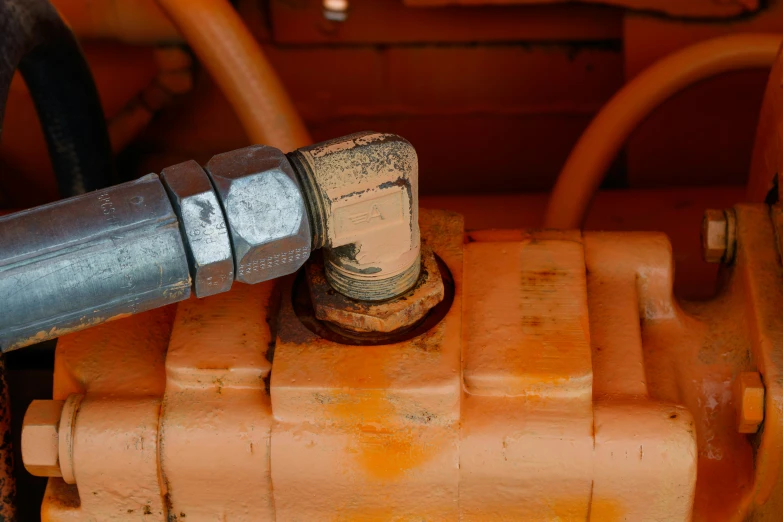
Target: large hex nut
{"x": 372, "y": 316}
{"x": 40, "y": 438}
{"x": 265, "y": 210}
{"x": 203, "y": 227}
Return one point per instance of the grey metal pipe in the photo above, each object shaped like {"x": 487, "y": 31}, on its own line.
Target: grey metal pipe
{"x": 245, "y": 216}
{"x": 87, "y": 259}
{"x": 141, "y": 245}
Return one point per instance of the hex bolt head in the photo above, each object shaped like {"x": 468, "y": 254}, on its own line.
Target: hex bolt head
{"x": 203, "y": 227}
{"x": 265, "y": 210}
{"x": 40, "y": 438}
{"x": 749, "y": 401}
{"x": 718, "y": 236}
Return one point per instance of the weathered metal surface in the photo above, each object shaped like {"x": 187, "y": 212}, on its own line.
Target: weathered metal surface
{"x": 370, "y": 432}
{"x": 363, "y": 194}
{"x": 85, "y": 260}
{"x": 585, "y": 387}
{"x": 192, "y": 439}
{"x": 125, "y": 359}
{"x": 369, "y": 316}
{"x": 203, "y": 227}
{"x": 516, "y": 368}
{"x": 305, "y": 314}
{"x": 265, "y": 210}
{"x": 216, "y": 421}
{"x": 117, "y": 437}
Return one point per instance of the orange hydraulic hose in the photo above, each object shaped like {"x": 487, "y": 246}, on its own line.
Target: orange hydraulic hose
{"x": 599, "y": 144}
{"x": 222, "y": 42}
{"x": 174, "y": 77}
{"x": 130, "y": 21}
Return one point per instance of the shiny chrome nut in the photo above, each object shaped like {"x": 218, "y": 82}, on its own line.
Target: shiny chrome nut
{"x": 265, "y": 211}
{"x": 203, "y": 227}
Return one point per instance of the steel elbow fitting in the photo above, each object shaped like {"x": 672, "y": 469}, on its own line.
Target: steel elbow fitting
{"x": 362, "y": 194}
{"x": 249, "y": 215}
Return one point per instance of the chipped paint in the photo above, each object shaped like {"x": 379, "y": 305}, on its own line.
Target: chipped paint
{"x": 363, "y": 193}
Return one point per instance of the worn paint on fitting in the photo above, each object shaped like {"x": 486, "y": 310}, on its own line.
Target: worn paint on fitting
{"x": 363, "y": 195}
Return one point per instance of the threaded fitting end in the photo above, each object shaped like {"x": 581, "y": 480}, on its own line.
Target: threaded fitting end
{"x": 363, "y": 288}
{"x": 316, "y": 210}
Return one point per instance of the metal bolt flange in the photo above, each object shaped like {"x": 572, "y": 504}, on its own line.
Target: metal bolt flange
{"x": 718, "y": 236}
{"x": 749, "y": 401}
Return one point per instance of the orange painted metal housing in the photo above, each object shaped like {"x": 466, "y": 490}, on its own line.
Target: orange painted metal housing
{"x": 526, "y": 78}
{"x": 564, "y": 382}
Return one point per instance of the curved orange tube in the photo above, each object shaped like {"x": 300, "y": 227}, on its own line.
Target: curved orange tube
{"x": 236, "y": 62}
{"x": 135, "y": 21}
{"x": 174, "y": 77}
{"x": 599, "y": 144}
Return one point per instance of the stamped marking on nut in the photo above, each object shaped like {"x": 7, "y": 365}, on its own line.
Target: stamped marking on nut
{"x": 259, "y": 266}
{"x": 262, "y": 204}
{"x": 203, "y": 226}
{"x": 265, "y": 211}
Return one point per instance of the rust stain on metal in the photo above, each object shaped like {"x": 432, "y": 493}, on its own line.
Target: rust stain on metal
{"x": 386, "y": 316}
{"x": 363, "y": 196}
{"x": 45, "y": 335}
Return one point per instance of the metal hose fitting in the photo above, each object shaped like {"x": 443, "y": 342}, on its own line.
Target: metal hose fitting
{"x": 362, "y": 194}
{"x": 249, "y": 215}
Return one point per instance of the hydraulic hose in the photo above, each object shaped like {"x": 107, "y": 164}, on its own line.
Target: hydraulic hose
{"x": 34, "y": 39}
{"x": 599, "y": 144}
{"x": 230, "y": 53}
{"x": 138, "y": 22}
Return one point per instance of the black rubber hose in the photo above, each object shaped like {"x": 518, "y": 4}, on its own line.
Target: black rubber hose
{"x": 35, "y": 40}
